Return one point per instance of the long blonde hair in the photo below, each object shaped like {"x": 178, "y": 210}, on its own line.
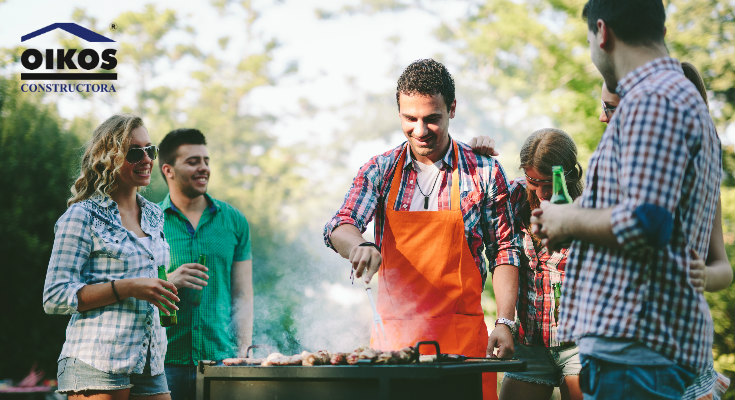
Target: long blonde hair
{"x": 103, "y": 157}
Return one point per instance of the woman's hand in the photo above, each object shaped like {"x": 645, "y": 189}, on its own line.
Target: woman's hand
{"x": 153, "y": 290}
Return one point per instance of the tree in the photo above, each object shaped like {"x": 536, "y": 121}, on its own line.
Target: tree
{"x": 39, "y": 158}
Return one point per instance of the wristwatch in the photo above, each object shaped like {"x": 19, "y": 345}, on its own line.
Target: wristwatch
{"x": 505, "y": 321}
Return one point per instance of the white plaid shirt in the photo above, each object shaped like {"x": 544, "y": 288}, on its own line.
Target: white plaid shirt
{"x": 92, "y": 246}
{"x": 661, "y": 152}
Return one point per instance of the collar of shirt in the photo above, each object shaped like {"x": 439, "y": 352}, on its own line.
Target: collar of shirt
{"x": 634, "y": 77}
{"x": 151, "y": 218}
{"x": 447, "y": 160}
{"x": 169, "y": 205}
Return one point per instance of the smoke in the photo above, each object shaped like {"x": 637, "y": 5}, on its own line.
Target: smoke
{"x": 304, "y": 300}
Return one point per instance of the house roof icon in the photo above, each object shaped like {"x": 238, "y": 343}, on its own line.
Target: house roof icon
{"x": 74, "y": 29}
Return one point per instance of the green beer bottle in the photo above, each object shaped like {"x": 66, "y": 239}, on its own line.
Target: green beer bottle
{"x": 196, "y": 295}
{"x": 166, "y": 320}
{"x": 560, "y": 194}
{"x": 557, "y": 300}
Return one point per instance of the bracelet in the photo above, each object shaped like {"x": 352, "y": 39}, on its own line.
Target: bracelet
{"x": 114, "y": 291}
{"x": 369, "y": 244}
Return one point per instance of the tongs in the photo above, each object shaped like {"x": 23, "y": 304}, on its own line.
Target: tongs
{"x": 377, "y": 320}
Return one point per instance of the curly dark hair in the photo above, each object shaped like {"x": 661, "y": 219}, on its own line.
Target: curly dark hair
{"x": 426, "y": 77}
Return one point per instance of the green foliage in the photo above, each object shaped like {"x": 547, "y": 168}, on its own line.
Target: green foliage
{"x": 39, "y": 158}
{"x": 722, "y": 303}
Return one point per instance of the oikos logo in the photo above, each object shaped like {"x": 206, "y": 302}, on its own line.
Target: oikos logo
{"x": 68, "y": 64}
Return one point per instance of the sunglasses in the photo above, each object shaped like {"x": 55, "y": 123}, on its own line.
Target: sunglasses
{"x": 537, "y": 182}
{"x": 136, "y": 154}
{"x": 609, "y": 110}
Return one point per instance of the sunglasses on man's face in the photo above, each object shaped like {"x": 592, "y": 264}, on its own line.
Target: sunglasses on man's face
{"x": 609, "y": 110}
{"x": 136, "y": 154}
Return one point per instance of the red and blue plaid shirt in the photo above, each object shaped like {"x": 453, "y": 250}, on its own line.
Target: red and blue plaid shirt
{"x": 539, "y": 270}
{"x": 483, "y": 193}
{"x": 658, "y": 165}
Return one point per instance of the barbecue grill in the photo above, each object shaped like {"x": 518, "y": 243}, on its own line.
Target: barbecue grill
{"x": 445, "y": 377}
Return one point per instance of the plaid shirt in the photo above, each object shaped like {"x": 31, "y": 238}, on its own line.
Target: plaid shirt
{"x": 483, "y": 193}
{"x": 709, "y": 385}
{"x": 539, "y": 270}
{"x": 659, "y": 152}
{"x": 92, "y": 246}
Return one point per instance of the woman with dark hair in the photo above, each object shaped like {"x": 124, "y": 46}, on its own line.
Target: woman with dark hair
{"x": 549, "y": 363}
{"x": 103, "y": 271}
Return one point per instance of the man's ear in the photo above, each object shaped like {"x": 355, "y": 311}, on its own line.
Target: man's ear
{"x": 604, "y": 33}
{"x": 168, "y": 171}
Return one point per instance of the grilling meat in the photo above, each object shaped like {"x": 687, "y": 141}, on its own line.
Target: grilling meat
{"x": 242, "y": 361}
{"x": 338, "y": 359}
{"x": 279, "y": 359}
{"x": 322, "y": 357}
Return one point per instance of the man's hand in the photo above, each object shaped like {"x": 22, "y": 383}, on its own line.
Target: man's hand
{"x": 548, "y": 223}
{"x": 190, "y": 276}
{"x": 502, "y": 339}
{"x": 483, "y": 145}
{"x": 365, "y": 261}
{"x": 697, "y": 272}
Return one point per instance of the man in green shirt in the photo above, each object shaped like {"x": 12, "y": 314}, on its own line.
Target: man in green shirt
{"x": 221, "y": 326}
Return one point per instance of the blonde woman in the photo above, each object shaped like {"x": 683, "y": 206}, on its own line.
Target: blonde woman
{"x": 103, "y": 271}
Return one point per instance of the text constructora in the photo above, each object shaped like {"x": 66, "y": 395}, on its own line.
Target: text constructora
{"x": 68, "y": 87}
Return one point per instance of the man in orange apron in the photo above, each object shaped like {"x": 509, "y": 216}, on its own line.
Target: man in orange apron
{"x": 437, "y": 207}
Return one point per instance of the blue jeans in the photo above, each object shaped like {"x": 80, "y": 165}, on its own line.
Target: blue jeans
{"x": 182, "y": 381}
{"x": 600, "y": 379}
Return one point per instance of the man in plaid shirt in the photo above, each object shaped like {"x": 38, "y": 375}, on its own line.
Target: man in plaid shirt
{"x": 438, "y": 206}
{"x": 650, "y": 199}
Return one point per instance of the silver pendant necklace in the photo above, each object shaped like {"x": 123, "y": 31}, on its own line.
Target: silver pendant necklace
{"x": 426, "y": 196}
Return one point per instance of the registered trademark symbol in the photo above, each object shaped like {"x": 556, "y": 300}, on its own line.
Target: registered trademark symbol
{"x": 113, "y": 26}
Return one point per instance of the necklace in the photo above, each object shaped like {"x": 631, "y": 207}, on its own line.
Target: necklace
{"x": 426, "y": 196}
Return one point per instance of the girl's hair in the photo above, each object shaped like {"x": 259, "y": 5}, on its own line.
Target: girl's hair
{"x": 547, "y": 147}
{"x": 103, "y": 157}
{"x": 691, "y": 72}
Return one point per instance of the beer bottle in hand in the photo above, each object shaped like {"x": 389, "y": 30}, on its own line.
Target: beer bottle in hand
{"x": 560, "y": 194}
{"x": 166, "y": 320}
{"x": 557, "y": 300}
{"x": 196, "y": 295}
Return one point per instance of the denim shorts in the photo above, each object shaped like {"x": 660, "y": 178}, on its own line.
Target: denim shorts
{"x": 75, "y": 375}
{"x": 546, "y": 365}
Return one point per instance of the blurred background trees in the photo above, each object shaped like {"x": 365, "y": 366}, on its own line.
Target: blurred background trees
{"x": 518, "y": 66}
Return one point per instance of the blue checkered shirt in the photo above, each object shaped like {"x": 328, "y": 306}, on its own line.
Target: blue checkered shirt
{"x": 658, "y": 165}
{"x": 92, "y": 246}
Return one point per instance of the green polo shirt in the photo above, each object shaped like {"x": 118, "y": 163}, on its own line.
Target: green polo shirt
{"x": 205, "y": 332}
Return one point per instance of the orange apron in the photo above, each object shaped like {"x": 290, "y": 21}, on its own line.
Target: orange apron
{"x": 429, "y": 285}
